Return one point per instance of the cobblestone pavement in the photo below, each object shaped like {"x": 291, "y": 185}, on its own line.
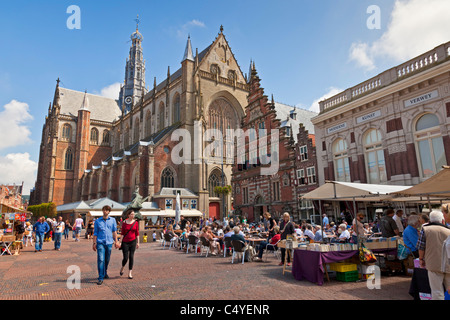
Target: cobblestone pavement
{"x": 170, "y": 274}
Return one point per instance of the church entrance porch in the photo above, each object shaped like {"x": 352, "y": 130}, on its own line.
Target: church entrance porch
{"x": 214, "y": 210}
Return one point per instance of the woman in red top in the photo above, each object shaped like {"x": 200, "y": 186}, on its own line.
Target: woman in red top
{"x": 129, "y": 241}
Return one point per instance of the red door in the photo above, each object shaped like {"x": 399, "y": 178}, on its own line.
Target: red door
{"x": 214, "y": 210}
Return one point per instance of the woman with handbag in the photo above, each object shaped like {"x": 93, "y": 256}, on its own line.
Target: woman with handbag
{"x": 129, "y": 241}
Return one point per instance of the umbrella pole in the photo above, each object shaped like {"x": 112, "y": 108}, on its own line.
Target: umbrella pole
{"x": 321, "y": 218}
{"x": 357, "y": 237}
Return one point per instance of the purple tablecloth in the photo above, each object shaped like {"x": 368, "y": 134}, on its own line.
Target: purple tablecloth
{"x": 309, "y": 264}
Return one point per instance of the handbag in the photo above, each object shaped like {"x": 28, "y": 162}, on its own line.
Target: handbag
{"x": 366, "y": 255}
{"x": 120, "y": 248}
{"x": 402, "y": 250}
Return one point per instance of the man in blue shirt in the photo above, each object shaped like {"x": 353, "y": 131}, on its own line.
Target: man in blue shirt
{"x": 105, "y": 235}
{"x": 40, "y": 229}
{"x": 325, "y": 220}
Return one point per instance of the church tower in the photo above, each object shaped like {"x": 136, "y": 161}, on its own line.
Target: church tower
{"x": 134, "y": 85}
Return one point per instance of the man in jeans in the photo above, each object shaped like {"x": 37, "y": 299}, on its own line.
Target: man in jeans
{"x": 58, "y": 230}
{"x": 105, "y": 235}
{"x": 40, "y": 229}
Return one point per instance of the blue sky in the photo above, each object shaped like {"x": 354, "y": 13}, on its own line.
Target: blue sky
{"x": 304, "y": 50}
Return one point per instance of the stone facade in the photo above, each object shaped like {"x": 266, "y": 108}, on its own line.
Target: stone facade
{"x": 390, "y": 129}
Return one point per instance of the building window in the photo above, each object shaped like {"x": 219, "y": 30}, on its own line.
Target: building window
{"x": 245, "y": 194}
{"x": 68, "y": 160}
{"x": 167, "y": 178}
{"x": 276, "y": 191}
{"x": 94, "y": 136}
{"x": 106, "y": 137}
{"x": 176, "y": 109}
{"x": 374, "y": 154}
{"x": 215, "y": 180}
{"x": 311, "y": 172}
{"x": 274, "y": 150}
{"x": 341, "y": 162}
{"x": 301, "y": 176}
{"x": 148, "y": 124}
{"x": 66, "y": 132}
{"x": 303, "y": 153}
{"x": 429, "y": 145}
{"x": 136, "y": 130}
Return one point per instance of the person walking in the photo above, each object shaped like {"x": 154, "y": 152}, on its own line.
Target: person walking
{"x": 286, "y": 228}
{"x": 430, "y": 246}
{"x": 105, "y": 235}
{"x": 40, "y": 229}
{"x": 77, "y": 226}
{"x": 28, "y": 238}
{"x": 129, "y": 241}
{"x": 58, "y": 230}
{"x": 67, "y": 227}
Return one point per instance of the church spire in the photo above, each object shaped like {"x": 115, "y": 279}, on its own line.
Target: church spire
{"x": 188, "y": 55}
{"x": 85, "y": 104}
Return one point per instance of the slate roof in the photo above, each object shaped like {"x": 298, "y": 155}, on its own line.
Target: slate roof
{"x": 303, "y": 116}
{"x": 101, "y": 108}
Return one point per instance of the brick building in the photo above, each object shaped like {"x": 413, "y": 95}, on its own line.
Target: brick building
{"x": 95, "y": 147}
{"x": 11, "y": 198}
{"x": 255, "y": 192}
{"x": 391, "y": 129}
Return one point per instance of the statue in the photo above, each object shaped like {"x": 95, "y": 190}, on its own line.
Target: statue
{"x": 135, "y": 204}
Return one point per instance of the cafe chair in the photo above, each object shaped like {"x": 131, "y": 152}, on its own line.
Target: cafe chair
{"x": 276, "y": 252}
{"x": 170, "y": 240}
{"x": 204, "y": 245}
{"x": 239, "y": 247}
{"x": 227, "y": 245}
{"x": 192, "y": 241}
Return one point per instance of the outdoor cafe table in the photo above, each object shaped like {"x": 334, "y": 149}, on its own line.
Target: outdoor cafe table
{"x": 310, "y": 265}
{"x": 254, "y": 241}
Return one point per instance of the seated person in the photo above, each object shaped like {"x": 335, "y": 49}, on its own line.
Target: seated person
{"x": 344, "y": 234}
{"x": 298, "y": 230}
{"x": 263, "y": 244}
{"x": 317, "y": 234}
{"x": 228, "y": 232}
{"x": 214, "y": 246}
{"x": 239, "y": 236}
{"x": 411, "y": 234}
{"x": 308, "y": 233}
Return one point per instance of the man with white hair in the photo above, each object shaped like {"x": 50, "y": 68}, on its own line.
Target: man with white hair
{"x": 430, "y": 244}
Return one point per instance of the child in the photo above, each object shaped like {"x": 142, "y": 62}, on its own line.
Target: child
{"x": 145, "y": 237}
{"x": 154, "y": 235}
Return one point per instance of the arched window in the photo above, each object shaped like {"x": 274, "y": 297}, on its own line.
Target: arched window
{"x": 66, "y": 132}
{"x": 176, "y": 109}
{"x": 136, "y": 130}
{"x": 429, "y": 145}
{"x": 167, "y": 178}
{"x": 215, "y": 179}
{"x": 94, "y": 136}
{"x": 161, "y": 116}
{"x": 68, "y": 160}
{"x": 148, "y": 124}
{"x": 106, "y": 137}
{"x": 374, "y": 155}
{"x": 126, "y": 137}
{"x": 341, "y": 163}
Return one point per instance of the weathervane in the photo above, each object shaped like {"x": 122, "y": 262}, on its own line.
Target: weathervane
{"x": 137, "y": 22}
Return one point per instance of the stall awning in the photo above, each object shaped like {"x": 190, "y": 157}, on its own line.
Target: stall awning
{"x": 342, "y": 191}
{"x": 435, "y": 186}
{"x": 186, "y": 213}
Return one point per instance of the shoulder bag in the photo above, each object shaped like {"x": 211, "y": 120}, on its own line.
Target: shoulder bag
{"x": 120, "y": 248}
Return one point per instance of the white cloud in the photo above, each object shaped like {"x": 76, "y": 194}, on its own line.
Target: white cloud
{"x": 13, "y": 132}
{"x": 359, "y": 53}
{"x": 415, "y": 27}
{"x": 183, "y": 31}
{"x": 331, "y": 92}
{"x": 111, "y": 91}
{"x": 18, "y": 167}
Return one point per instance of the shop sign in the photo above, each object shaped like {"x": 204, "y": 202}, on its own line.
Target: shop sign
{"x": 421, "y": 99}
{"x": 369, "y": 116}
{"x": 337, "y": 127}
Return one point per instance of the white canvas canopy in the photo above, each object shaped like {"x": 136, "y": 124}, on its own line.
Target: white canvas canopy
{"x": 185, "y": 213}
{"x": 351, "y": 191}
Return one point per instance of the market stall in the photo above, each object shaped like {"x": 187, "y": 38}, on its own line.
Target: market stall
{"x": 340, "y": 191}
{"x": 8, "y": 240}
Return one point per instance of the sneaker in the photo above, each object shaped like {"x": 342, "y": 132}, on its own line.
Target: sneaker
{"x": 281, "y": 263}
{"x": 100, "y": 282}
{"x": 288, "y": 264}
